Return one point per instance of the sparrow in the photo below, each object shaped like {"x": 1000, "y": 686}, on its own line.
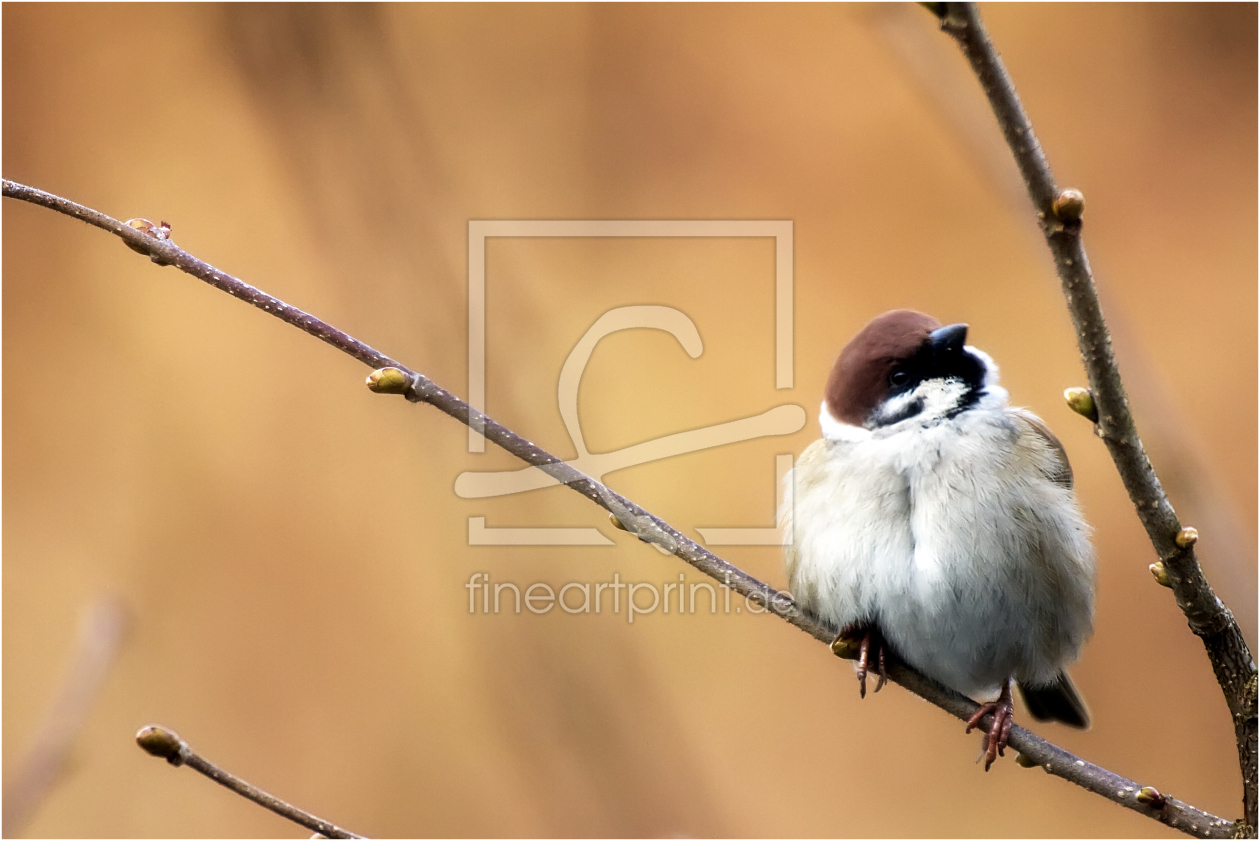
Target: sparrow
{"x": 935, "y": 521}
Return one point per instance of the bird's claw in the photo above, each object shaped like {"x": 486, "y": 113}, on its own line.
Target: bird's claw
{"x": 867, "y": 646}
{"x": 999, "y": 732}
{"x": 872, "y": 647}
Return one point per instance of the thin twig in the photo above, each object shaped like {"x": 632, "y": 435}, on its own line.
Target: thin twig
{"x": 101, "y": 632}
{"x": 166, "y": 744}
{"x": 419, "y": 388}
{"x": 1207, "y": 615}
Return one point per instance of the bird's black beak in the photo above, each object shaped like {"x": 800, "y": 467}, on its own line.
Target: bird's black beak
{"x": 947, "y": 341}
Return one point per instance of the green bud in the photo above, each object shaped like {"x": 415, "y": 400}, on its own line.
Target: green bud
{"x": 1081, "y": 401}
{"x": 160, "y": 742}
{"x": 388, "y": 381}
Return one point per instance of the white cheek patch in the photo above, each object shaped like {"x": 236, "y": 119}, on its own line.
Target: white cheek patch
{"x": 834, "y": 430}
{"x": 929, "y": 401}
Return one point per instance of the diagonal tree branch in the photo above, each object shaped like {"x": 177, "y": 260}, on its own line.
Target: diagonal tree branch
{"x": 1059, "y": 213}
{"x": 157, "y": 741}
{"x": 1033, "y": 750}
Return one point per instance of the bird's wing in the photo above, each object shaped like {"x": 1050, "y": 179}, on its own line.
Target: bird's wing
{"x": 1060, "y": 471}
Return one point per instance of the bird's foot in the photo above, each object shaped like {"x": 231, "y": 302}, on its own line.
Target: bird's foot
{"x": 865, "y": 645}
{"x": 999, "y": 732}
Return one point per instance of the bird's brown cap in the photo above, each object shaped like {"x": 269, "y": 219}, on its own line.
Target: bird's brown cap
{"x": 859, "y": 379}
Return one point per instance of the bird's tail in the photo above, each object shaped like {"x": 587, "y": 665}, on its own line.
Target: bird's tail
{"x": 1058, "y": 701}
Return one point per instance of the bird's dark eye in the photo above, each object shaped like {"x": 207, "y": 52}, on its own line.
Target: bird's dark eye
{"x": 898, "y": 378}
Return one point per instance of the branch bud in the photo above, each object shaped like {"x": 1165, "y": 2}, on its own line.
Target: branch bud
{"x": 1161, "y": 574}
{"x": 388, "y": 381}
{"x": 1151, "y": 797}
{"x": 165, "y": 744}
{"x": 1187, "y": 537}
{"x": 1024, "y": 762}
{"x": 847, "y": 647}
{"x": 1081, "y": 401}
{"x": 1069, "y": 205}
{"x": 160, "y": 231}
{"x": 616, "y": 521}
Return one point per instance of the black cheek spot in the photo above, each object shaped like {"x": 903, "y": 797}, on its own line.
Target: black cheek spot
{"x": 911, "y": 409}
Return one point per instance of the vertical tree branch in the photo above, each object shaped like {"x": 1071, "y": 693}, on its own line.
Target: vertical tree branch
{"x": 1061, "y": 223}
{"x": 101, "y": 633}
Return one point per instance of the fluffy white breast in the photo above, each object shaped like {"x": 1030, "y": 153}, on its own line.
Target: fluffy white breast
{"x": 943, "y": 532}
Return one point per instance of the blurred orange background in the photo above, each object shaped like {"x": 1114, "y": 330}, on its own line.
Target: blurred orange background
{"x": 289, "y": 546}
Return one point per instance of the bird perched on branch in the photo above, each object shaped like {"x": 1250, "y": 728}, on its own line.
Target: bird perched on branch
{"x": 935, "y": 520}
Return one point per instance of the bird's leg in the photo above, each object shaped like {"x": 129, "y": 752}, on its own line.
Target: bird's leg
{"x": 864, "y": 652}
{"x": 883, "y": 667}
{"x": 866, "y": 645}
{"x": 871, "y": 650}
{"x": 999, "y": 732}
